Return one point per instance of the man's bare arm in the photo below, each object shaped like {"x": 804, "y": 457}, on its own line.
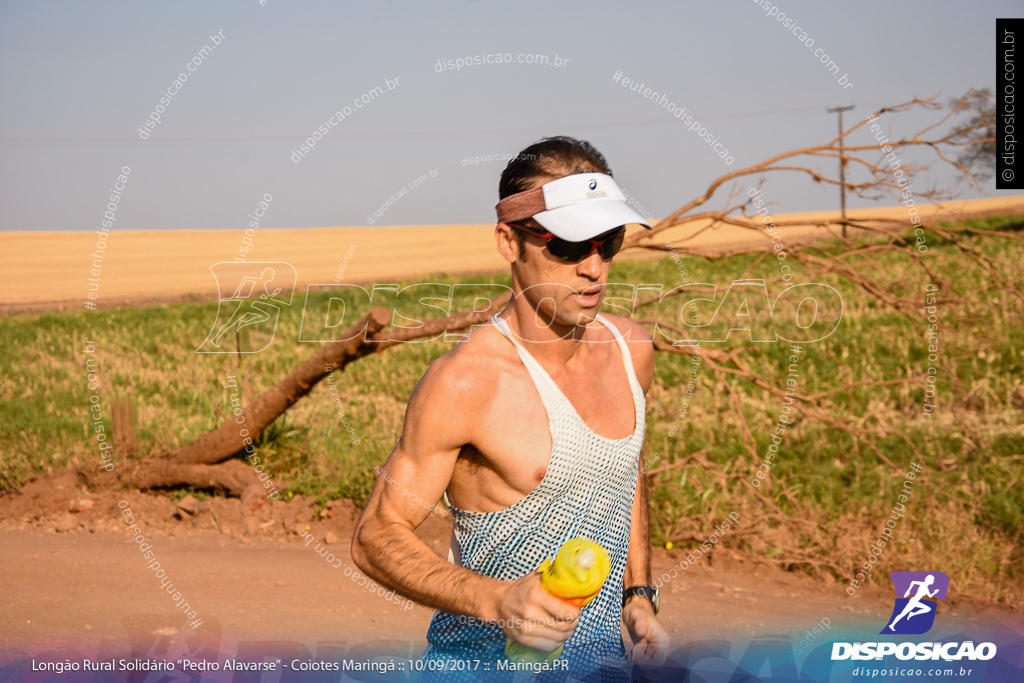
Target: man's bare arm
{"x": 440, "y": 418}
{"x": 650, "y": 641}
{"x": 638, "y": 564}
{"x": 386, "y": 548}
{"x": 649, "y": 638}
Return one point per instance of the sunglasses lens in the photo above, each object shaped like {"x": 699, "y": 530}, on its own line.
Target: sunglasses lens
{"x": 611, "y": 246}
{"x": 573, "y": 252}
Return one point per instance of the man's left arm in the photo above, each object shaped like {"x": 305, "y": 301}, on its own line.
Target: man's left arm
{"x": 650, "y": 640}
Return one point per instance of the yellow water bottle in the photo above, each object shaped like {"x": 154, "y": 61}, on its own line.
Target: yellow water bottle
{"x": 576, "y": 576}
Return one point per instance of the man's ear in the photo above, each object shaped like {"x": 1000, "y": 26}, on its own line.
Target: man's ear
{"x": 508, "y": 247}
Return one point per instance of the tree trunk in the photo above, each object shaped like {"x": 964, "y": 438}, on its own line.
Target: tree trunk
{"x": 230, "y": 478}
{"x": 228, "y": 439}
{"x": 206, "y": 462}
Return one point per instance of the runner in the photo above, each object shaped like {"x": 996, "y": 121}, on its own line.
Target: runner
{"x": 531, "y": 429}
{"x": 916, "y": 605}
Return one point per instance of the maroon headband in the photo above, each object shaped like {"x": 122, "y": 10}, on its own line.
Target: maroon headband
{"x": 522, "y": 205}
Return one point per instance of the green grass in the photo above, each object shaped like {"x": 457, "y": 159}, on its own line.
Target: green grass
{"x": 966, "y": 515}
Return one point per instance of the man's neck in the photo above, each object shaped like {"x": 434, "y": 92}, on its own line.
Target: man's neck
{"x": 544, "y": 339}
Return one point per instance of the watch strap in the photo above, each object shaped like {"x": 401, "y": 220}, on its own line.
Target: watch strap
{"x": 648, "y": 592}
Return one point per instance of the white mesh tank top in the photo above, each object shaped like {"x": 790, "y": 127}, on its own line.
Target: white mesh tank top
{"x": 587, "y": 492}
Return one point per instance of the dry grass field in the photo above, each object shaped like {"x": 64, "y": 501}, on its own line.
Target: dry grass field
{"x": 50, "y": 270}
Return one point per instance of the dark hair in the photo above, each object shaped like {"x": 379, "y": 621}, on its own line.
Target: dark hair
{"x": 549, "y": 159}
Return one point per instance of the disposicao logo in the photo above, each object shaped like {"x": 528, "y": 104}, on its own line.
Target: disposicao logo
{"x": 917, "y": 596}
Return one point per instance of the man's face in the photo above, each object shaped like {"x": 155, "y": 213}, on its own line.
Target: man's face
{"x": 562, "y": 293}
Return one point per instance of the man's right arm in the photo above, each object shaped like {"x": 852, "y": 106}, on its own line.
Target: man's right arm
{"x": 444, "y": 409}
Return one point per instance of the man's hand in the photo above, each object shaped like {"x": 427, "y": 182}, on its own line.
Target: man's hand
{"x": 531, "y": 616}
{"x": 650, "y": 641}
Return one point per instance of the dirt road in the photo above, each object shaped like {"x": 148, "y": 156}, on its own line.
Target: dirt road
{"x": 255, "y": 576}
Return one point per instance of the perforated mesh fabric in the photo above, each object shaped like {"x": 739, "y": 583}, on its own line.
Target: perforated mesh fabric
{"x": 587, "y": 492}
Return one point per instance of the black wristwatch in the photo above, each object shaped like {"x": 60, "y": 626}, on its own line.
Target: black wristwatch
{"x": 652, "y": 594}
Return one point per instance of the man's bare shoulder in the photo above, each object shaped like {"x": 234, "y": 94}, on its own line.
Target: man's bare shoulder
{"x": 470, "y": 371}
{"x": 634, "y": 332}
{"x": 641, "y": 348}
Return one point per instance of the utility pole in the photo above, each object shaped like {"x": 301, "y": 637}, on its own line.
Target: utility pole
{"x": 842, "y": 165}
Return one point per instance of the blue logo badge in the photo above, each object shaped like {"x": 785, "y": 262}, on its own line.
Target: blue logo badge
{"x": 593, "y": 184}
{"x": 917, "y": 596}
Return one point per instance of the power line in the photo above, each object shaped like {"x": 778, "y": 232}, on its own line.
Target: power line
{"x": 392, "y": 134}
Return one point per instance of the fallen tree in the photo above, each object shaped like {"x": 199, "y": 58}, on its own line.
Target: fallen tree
{"x": 212, "y": 461}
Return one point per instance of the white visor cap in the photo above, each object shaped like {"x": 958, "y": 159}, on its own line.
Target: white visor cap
{"x": 581, "y": 206}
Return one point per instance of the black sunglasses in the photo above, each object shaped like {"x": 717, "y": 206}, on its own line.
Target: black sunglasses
{"x": 574, "y": 252}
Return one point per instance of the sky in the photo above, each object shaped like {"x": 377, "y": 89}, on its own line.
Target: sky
{"x": 80, "y": 79}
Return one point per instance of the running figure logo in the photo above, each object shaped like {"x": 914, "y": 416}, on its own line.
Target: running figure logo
{"x": 251, "y": 296}
{"x": 917, "y": 596}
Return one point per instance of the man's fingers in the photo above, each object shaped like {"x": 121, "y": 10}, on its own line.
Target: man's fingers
{"x": 556, "y": 607}
{"x": 542, "y": 634}
{"x": 652, "y": 650}
{"x": 541, "y": 643}
{"x": 537, "y": 619}
{"x": 641, "y": 628}
{"x": 546, "y": 624}
{"x": 646, "y": 653}
{"x": 550, "y": 625}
